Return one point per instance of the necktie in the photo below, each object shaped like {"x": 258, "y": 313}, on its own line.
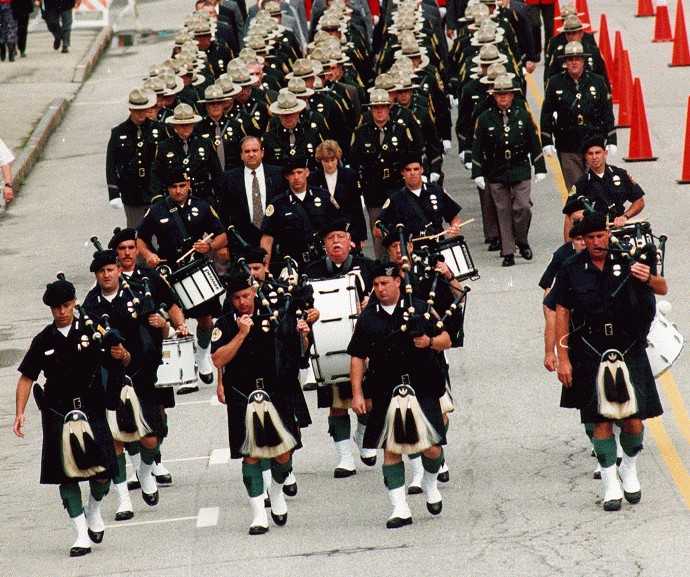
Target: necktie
{"x": 185, "y": 147}
{"x": 257, "y": 209}
{"x": 382, "y": 135}
{"x": 220, "y": 147}
{"x": 505, "y": 117}
{"x": 292, "y": 137}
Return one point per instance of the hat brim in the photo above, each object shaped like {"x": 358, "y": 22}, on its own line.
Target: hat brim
{"x": 504, "y": 90}
{"x": 583, "y": 55}
{"x": 290, "y": 75}
{"x": 402, "y": 88}
{"x": 277, "y": 111}
{"x": 179, "y": 87}
{"x": 502, "y": 59}
{"x": 497, "y": 40}
{"x": 172, "y": 120}
{"x": 223, "y": 98}
{"x": 486, "y": 80}
{"x": 199, "y": 80}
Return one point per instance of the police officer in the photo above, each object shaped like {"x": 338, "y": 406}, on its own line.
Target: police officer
{"x": 192, "y": 152}
{"x": 573, "y": 30}
{"x": 218, "y": 54}
{"x": 181, "y": 222}
{"x": 377, "y": 147}
{"x": 292, "y": 221}
{"x": 70, "y": 362}
{"x": 577, "y": 105}
{"x": 131, "y": 150}
{"x": 605, "y": 306}
{"x": 604, "y": 187}
{"x": 250, "y": 103}
{"x": 505, "y": 144}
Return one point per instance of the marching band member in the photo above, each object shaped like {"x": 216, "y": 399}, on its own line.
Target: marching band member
{"x": 179, "y": 222}
{"x": 339, "y": 261}
{"x": 405, "y": 380}
{"x": 259, "y": 369}
{"x": 77, "y": 445}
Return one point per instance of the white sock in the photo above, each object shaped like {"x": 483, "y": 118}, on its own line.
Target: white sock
{"x": 430, "y": 487}
{"x": 628, "y": 474}
{"x": 159, "y": 469}
{"x": 278, "y": 502}
{"x": 344, "y": 452}
{"x": 146, "y": 478}
{"x": 80, "y": 525}
{"x": 266, "y": 475}
{"x": 135, "y": 460}
{"x": 417, "y": 471}
{"x": 259, "y": 516}
{"x": 124, "y": 503}
{"x": 203, "y": 357}
{"x": 290, "y": 479}
{"x": 93, "y": 515}
{"x": 398, "y": 499}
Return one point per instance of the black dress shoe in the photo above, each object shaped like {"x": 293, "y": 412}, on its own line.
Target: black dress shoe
{"x": 124, "y": 515}
{"x": 290, "y": 490}
{"x": 95, "y": 536}
{"x": 368, "y": 461}
{"x": 279, "y": 520}
{"x": 56, "y": 43}
{"x": 258, "y": 530}
{"x": 414, "y": 490}
{"x": 397, "y": 522}
{"x": 434, "y": 508}
{"x": 133, "y": 485}
{"x": 443, "y": 477}
{"x": 206, "y": 378}
{"x": 267, "y": 503}
{"x": 186, "y": 389}
{"x": 525, "y": 251}
{"x": 309, "y": 387}
{"x": 508, "y": 260}
{"x": 596, "y": 475}
{"x": 164, "y": 480}
{"x": 343, "y": 473}
{"x": 494, "y": 245}
{"x": 65, "y": 49}
{"x": 613, "y": 505}
{"x": 79, "y": 551}
{"x": 633, "y": 498}
{"x": 150, "y": 500}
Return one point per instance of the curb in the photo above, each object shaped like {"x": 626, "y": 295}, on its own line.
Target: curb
{"x": 91, "y": 58}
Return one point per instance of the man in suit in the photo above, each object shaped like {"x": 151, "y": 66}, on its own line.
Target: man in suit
{"x": 248, "y": 189}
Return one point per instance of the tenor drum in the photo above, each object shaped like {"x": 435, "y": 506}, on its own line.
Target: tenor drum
{"x": 664, "y": 344}
{"x": 196, "y": 283}
{"x": 337, "y": 301}
{"x": 456, "y": 255}
{"x": 178, "y": 366}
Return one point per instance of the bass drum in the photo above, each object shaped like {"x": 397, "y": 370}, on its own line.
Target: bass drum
{"x": 178, "y": 366}
{"x": 664, "y": 341}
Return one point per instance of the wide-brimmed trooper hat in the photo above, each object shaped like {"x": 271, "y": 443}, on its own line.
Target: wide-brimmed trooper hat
{"x": 142, "y": 99}
{"x": 384, "y": 81}
{"x": 486, "y": 35}
{"x": 156, "y": 85}
{"x": 489, "y": 54}
{"x": 572, "y": 23}
{"x": 504, "y": 84}
{"x": 301, "y": 68}
{"x": 379, "y": 97}
{"x": 573, "y": 49}
{"x": 287, "y": 103}
{"x": 250, "y": 56}
{"x": 404, "y": 82}
{"x": 183, "y": 114}
{"x": 173, "y": 83}
{"x": 213, "y": 93}
{"x": 241, "y": 76}
{"x": 493, "y": 72}
{"x": 228, "y": 87}
{"x": 298, "y": 87}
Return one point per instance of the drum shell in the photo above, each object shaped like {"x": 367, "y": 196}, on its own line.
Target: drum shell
{"x": 456, "y": 255}
{"x": 664, "y": 344}
{"x": 178, "y": 365}
{"x": 196, "y": 283}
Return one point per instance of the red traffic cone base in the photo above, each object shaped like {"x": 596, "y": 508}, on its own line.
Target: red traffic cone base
{"x": 681, "y": 53}
{"x": 685, "y": 172}
{"x": 640, "y": 145}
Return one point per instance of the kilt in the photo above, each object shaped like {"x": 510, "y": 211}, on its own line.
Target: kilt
{"x": 300, "y": 407}
{"x": 337, "y": 396}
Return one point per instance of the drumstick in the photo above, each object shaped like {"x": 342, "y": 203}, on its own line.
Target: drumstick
{"x": 440, "y": 234}
{"x": 191, "y": 250}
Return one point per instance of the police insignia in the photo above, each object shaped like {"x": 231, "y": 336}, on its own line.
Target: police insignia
{"x": 170, "y": 155}
{"x": 616, "y": 180}
{"x": 216, "y": 334}
{"x": 317, "y": 202}
{"x": 573, "y": 190}
{"x": 387, "y": 203}
{"x": 270, "y": 210}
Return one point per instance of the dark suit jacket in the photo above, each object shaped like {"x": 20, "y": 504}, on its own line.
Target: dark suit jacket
{"x": 233, "y": 207}
{"x": 348, "y": 198}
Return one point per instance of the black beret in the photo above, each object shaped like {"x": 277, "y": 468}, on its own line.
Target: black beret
{"x": 339, "y": 224}
{"x": 238, "y": 281}
{"x": 294, "y": 163}
{"x": 58, "y": 292}
{"x": 575, "y": 230}
{"x": 592, "y": 222}
{"x": 121, "y": 235}
{"x": 175, "y": 174}
{"x": 596, "y": 140}
{"x": 381, "y": 268}
{"x": 102, "y": 258}
{"x": 252, "y": 254}
{"x": 409, "y": 158}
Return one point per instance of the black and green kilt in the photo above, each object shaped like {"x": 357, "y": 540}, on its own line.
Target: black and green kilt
{"x": 324, "y": 394}
{"x": 583, "y": 394}
{"x": 236, "y": 404}
{"x": 300, "y": 406}
{"x": 151, "y": 408}
{"x": 52, "y": 471}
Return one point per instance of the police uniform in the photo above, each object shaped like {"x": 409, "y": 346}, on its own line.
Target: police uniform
{"x": 256, "y": 109}
{"x": 594, "y": 62}
{"x": 282, "y": 144}
{"x": 227, "y": 134}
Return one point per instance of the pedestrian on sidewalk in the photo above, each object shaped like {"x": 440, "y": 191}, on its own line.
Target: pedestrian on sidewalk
{"x": 8, "y": 32}
{"x": 21, "y": 10}
{"x": 6, "y": 160}
{"x": 58, "y": 17}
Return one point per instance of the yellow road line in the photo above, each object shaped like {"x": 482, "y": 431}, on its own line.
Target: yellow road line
{"x": 668, "y": 451}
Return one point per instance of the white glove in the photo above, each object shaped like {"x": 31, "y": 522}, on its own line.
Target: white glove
{"x": 447, "y": 145}
{"x": 612, "y": 149}
{"x": 480, "y": 182}
{"x": 434, "y": 176}
{"x": 453, "y": 101}
{"x": 549, "y": 150}
{"x": 539, "y": 176}
{"x": 116, "y": 203}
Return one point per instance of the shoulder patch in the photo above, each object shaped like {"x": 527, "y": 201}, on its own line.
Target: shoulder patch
{"x": 270, "y": 209}
{"x": 216, "y": 334}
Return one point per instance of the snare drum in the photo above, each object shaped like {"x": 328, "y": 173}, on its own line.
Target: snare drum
{"x": 664, "y": 344}
{"x": 178, "y": 366}
{"x": 337, "y": 301}
{"x": 196, "y": 283}
{"x": 456, "y": 255}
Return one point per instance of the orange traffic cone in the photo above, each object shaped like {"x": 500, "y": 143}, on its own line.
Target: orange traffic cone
{"x": 681, "y": 54}
{"x": 662, "y": 23}
{"x": 640, "y": 145}
{"x": 616, "y": 73}
{"x": 581, "y": 6}
{"x": 556, "y": 17}
{"x": 644, "y": 8}
{"x": 685, "y": 174}
{"x": 605, "y": 45}
{"x": 626, "y": 93}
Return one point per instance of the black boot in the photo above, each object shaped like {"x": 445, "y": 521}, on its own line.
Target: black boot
{"x": 11, "y": 51}
{"x": 3, "y": 52}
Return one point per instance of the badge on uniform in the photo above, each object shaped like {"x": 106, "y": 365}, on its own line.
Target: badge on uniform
{"x": 170, "y": 155}
{"x": 616, "y": 180}
{"x": 593, "y": 90}
{"x": 195, "y": 211}
{"x": 270, "y": 210}
{"x": 202, "y": 151}
{"x": 387, "y": 203}
{"x": 394, "y": 140}
{"x": 123, "y": 137}
{"x": 216, "y": 334}
{"x": 317, "y": 202}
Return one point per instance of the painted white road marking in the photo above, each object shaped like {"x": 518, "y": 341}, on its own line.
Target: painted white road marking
{"x": 208, "y": 517}
{"x": 219, "y": 457}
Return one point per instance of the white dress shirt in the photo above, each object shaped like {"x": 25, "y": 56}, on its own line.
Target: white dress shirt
{"x": 248, "y": 179}
{"x": 331, "y": 181}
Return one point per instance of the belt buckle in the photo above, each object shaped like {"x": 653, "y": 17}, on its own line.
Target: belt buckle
{"x": 142, "y": 172}
{"x": 386, "y": 173}
{"x": 608, "y": 329}
{"x": 76, "y": 403}
{"x": 508, "y": 154}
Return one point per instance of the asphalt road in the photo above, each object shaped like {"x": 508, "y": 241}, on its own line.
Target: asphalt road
{"x": 521, "y": 500}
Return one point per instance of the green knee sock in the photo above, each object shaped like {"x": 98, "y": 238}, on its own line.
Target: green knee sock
{"x": 589, "y": 430}
{"x": 605, "y": 450}
{"x": 99, "y": 490}
{"x": 148, "y": 456}
{"x": 432, "y": 465}
{"x": 203, "y": 337}
{"x": 280, "y": 471}
{"x": 394, "y": 475}
{"x": 121, "y": 474}
{"x": 252, "y": 479}
{"x": 631, "y": 443}
{"x": 339, "y": 427}
{"x": 446, "y": 426}
{"x": 265, "y": 465}
{"x": 71, "y": 499}
{"x": 133, "y": 448}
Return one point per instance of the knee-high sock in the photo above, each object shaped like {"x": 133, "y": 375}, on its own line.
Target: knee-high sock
{"x": 71, "y": 499}
{"x": 631, "y": 443}
{"x": 203, "y": 336}
{"x": 394, "y": 475}
{"x": 121, "y": 474}
{"x": 148, "y": 456}
{"x": 589, "y": 430}
{"x": 605, "y": 450}
{"x": 99, "y": 490}
{"x": 339, "y": 427}
{"x": 252, "y": 479}
{"x": 133, "y": 448}
{"x": 280, "y": 471}
{"x": 432, "y": 465}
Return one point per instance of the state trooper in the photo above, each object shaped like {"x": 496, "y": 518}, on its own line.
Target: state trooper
{"x": 315, "y": 114}
{"x": 506, "y": 143}
{"x": 577, "y": 105}
{"x": 218, "y": 55}
{"x": 131, "y": 150}
{"x": 249, "y": 102}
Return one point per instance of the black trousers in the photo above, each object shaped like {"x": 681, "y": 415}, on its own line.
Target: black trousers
{"x": 22, "y": 20}
{"x": 542, "y": 13}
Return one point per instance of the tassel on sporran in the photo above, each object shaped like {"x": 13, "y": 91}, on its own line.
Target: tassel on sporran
{"x": 615, "y": 392}
{"x": 81, "y": 456}
{"x": 266, "y": 436}
{"x": 127, "y": 422}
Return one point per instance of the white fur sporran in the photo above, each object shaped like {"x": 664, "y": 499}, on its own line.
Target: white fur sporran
{"x": 129, "y": 396}
{"x": 265, "y": 434}
{"x": 615, "y": 392}
{"x": 76, "y": 427}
